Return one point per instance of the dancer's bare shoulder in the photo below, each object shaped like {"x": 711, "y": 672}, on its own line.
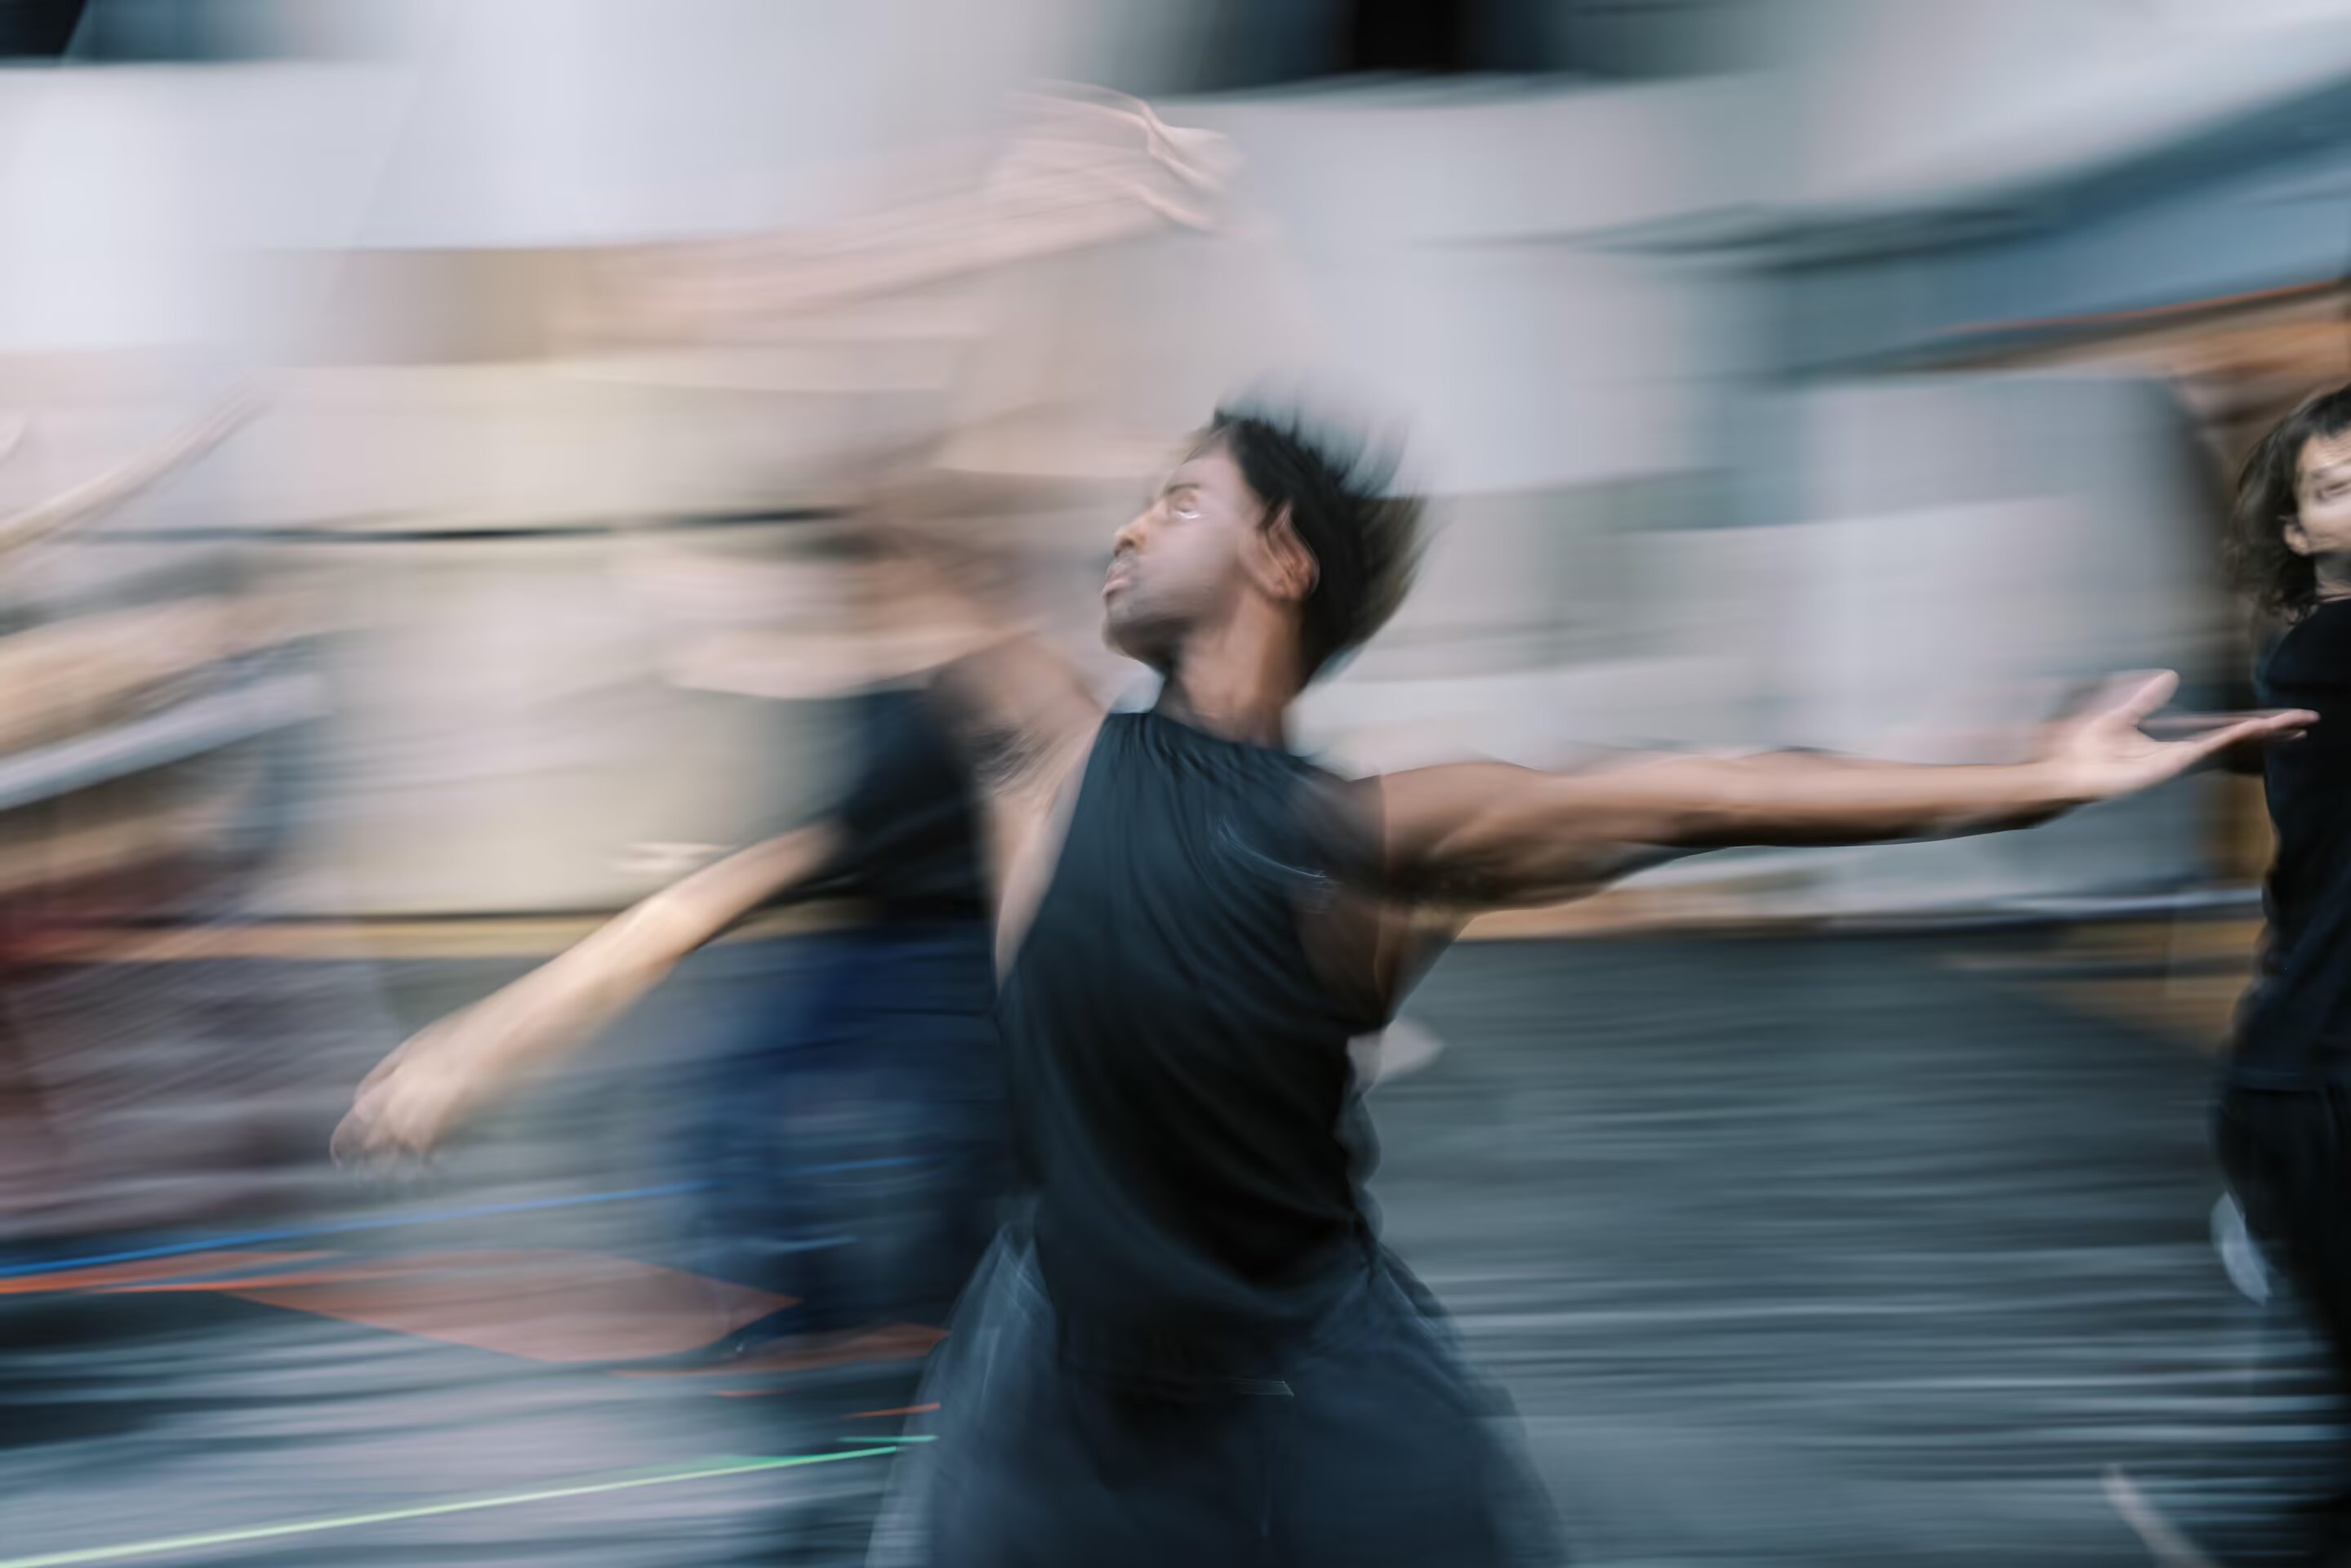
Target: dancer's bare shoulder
{"x": 1028, "y": 721}
{"x": 1468, "y": 836}
{"x": 1024, "y": 715}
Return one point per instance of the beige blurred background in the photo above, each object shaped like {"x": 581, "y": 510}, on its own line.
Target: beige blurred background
{"x": 1805, "y": 372}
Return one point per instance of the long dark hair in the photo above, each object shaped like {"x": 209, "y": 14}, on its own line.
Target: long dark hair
{"x": 2281, "y": 583}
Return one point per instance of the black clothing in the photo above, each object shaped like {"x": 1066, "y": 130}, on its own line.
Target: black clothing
{"x": 1188, "y": 1346}
{"x": 909, "y": 823}
{"x": 1182, "y": 1091}
{"x": 1362, "y": 1443}
{"x": 2294, "y": 1028}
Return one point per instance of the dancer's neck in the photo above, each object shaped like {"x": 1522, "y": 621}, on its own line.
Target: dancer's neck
{"x": 1237, "y": 680}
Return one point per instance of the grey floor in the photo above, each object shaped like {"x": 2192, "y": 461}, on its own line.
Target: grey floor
{"x": 1813, "y": 1252}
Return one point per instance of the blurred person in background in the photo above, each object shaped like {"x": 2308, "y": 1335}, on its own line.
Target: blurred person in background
{"x": 861, "y": 1149}
{"x": 1188, "y": 1345}
{"x": 2283, "y": 1123}
{"x": 855, "y": 1144}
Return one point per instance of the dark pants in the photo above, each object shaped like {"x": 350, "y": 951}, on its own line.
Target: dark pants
{"x": 2288, "y": 1158}
{"x": 1369, "y": 1442}
{"x": 858, "y": 1152}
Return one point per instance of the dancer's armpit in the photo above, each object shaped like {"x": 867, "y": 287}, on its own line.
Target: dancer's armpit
{"x": 1485, "y": 835}
{"x": 1021, "y": 713}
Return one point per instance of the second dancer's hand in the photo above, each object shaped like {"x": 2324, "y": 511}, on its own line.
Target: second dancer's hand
{"x": 422, "y": 1091}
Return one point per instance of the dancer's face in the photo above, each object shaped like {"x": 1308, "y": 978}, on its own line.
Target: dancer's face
{"x": 1183, "y": 561}
{"x": 2321, "y": 527}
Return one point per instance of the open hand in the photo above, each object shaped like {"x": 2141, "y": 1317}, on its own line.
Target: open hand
{"x": 2103, "y": 751}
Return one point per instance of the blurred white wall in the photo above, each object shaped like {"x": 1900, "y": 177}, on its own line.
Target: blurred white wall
{"x": 1646, "y": 538}
{"x": 1972, "y": 551}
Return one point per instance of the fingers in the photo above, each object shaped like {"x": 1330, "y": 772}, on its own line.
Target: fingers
{"x": 372, "y": 1137}
{"x": 364, "y": 1146}
{"x": 383, "y": 1122}
{"x": 2193, "y": 726}
{"x": 2136, "y": 697}
{"x": 2220, "y": 740}
{"x": 2260, "y": 727}
{"x": 2235, "y": 729}
{"x": 354, "y": 1138}
{"x": 2114, "y": 699}
{"x": 2290, "y": 723}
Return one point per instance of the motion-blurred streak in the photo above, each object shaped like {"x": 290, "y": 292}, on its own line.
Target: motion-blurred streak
{"x": 94, "y": 498}
{"x": 1079, "y": 174}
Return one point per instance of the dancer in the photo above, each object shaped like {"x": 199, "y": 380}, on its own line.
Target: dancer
{"x": 860, "y": 1150}
{"x": 1190, "y": 1345}
{"x": 893, "y": 1018}
{"x": 2283, "y": 1115}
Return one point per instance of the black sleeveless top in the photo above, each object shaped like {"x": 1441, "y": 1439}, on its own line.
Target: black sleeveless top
{"x": 1189, "y": 1130}
{"x": 2294, "y": 1028}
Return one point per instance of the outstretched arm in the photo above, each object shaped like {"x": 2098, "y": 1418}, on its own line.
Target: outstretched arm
{"x": 1021, "y": 713}
{"x": 1491, "y": 835}
{"x": 420, "y": 1092}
